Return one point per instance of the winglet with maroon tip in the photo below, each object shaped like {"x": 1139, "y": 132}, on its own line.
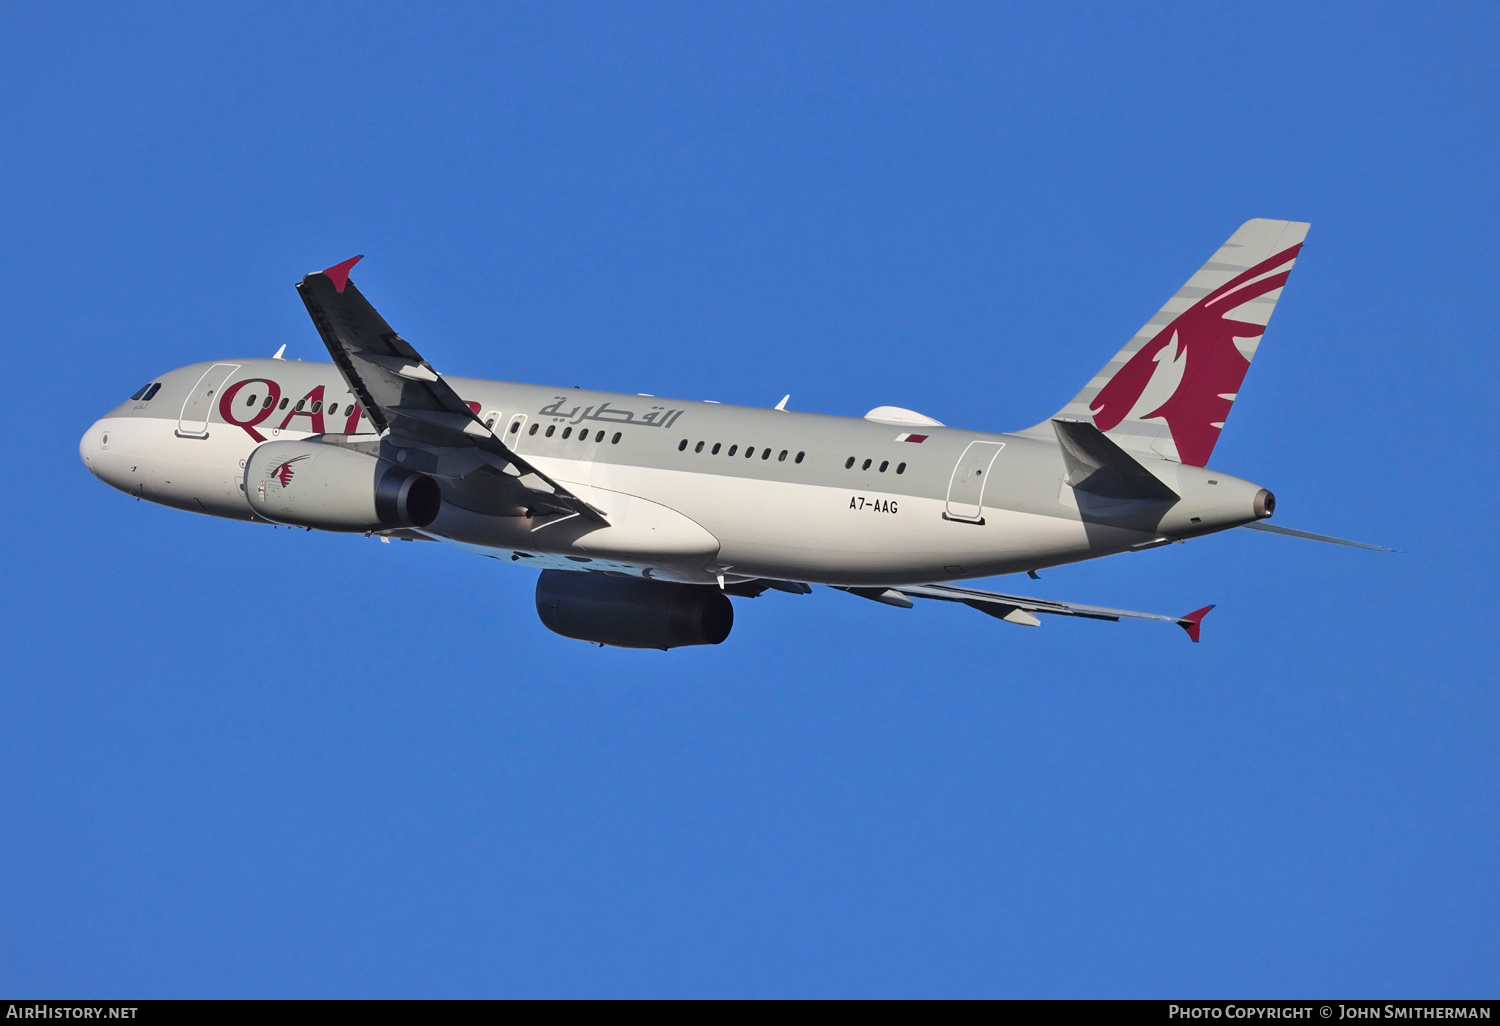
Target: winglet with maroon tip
{"x": 339, "y": 273}
{"x": 1193, "y": 622}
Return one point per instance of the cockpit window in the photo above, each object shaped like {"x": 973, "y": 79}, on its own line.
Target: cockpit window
{"x": 146, "y": 392}
{"x": 140, "y": 392}
{"x": 151, "y": 392}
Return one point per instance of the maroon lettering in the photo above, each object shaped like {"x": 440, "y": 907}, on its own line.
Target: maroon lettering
{"x": 351, "y": 426}
{"x": 263, "y": 410}
{"x": 314, "y": 401}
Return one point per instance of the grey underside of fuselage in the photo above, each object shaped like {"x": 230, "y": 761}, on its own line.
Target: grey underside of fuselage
{"x": 1024, "y": 485}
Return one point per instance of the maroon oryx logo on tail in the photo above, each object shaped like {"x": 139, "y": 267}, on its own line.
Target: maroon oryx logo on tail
{"x": 1215, "y": 366}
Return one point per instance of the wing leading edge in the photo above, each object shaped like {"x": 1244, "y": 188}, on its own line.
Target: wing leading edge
{"x": 1020, "y": 609}
{"x": 403, "y": 394}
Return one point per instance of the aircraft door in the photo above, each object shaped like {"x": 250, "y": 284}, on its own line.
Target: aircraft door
{"x": 193, "y": 421}
{"x": 966, "y": 487}
{"x": 514, "y": 432}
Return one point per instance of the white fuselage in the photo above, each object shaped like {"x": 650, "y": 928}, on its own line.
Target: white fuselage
{"x": 818, "y": 499}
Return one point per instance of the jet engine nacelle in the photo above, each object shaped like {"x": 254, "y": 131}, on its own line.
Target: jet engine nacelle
{"x": 631, "y": 613}
{"x": 313, "y": 484}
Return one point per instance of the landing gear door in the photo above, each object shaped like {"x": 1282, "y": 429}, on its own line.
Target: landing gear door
{"x": 966, "y": 486}
{"x": 193, "y": 422}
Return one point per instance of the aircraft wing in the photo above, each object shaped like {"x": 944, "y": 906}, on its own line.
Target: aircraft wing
{"x": 402, "y": 393}
{"x": 1020, "y": 609}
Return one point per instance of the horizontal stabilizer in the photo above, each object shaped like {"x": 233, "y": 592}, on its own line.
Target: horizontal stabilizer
{"x": 1099, "y": 466}
{"x": 1309, "y": 536}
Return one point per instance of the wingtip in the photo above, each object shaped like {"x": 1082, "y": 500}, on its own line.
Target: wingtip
{"x": 1193, "y": 622}
{"x": 339, "y": 273}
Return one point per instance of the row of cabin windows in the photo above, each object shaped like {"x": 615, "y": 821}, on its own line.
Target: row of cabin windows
{"x": 333, "y": 409}
{"x": 765, "y": 454}
{"x": 317, "y": 406}
{"x": 567, "y": 432}
{"x": 146, "y": 392}
{"x": 884, "y": 464}
{"x": 515, "y": 426}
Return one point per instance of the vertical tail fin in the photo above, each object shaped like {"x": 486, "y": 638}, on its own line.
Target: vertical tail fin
{"x": 1170, "y": 389}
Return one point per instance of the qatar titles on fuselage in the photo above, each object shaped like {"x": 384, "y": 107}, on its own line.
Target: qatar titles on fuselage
{"x": 690, "y": 492}
{"x": 692, "y": 489}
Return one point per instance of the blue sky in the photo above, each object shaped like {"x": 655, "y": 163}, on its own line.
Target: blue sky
{"x": 250, "y": 762}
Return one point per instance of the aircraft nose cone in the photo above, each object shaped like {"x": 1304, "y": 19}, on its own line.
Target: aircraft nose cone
{"x": 95, "y": 440}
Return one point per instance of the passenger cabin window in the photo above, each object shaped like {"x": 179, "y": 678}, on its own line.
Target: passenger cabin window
{"x": 550, "y": 429}
{"x": 566, "y": 432}
{"x": 715, "y": 450}
{"x": 698, "y": 447}
{"x": 883, "y": 465}
{"x": 615, "y": 440}
{"x": 901, "y": 468}
{"x": 849, "y": 463}
{"x": 765, "y": 454}
{"x": 682, "y": 445}
{"x": 732, "y": 449}
{"x": 532, "y": 431}
{"x": 865, "y": 465}
{"x": 516, "y": 426}
{"x": 800, "y": 455}
{"x": 283, "y": 404}
{"x": 599, "y": 436}
{"x": 782, "y": 457}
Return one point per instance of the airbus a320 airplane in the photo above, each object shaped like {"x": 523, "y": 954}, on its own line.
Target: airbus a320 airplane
{"x": 643, "y": 513}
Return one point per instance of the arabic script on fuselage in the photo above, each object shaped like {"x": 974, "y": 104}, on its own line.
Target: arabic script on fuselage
{"x": 608, "y": 413}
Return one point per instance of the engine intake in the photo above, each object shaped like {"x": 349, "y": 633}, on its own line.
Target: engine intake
{"x": 631, "y": 613}
{"x": 329, "y": 487}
